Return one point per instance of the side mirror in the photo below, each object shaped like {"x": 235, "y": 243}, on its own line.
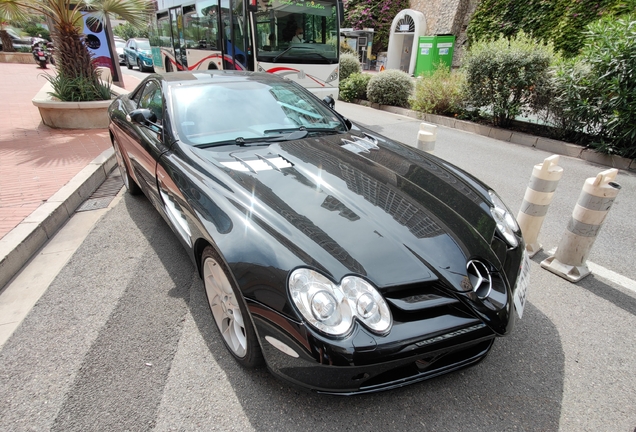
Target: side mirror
{"x": 329, "y": 101}
{"x": 142, "y": 116}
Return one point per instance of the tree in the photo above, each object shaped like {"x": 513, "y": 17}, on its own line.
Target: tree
{"x": 74, "y": 62}
{"x": 10, "y": 12}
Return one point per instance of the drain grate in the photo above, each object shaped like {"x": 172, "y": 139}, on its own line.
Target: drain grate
{"x": 104, "y": 194}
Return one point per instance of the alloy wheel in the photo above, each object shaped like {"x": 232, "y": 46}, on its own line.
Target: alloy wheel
{"x": 225, "y": 308}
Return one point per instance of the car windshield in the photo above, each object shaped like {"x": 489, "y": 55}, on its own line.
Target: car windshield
{"x": 210, "y": 113}
{"x": 143, "y": 45}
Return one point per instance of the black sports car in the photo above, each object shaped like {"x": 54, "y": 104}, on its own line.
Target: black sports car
{"x": 345, "y": 261}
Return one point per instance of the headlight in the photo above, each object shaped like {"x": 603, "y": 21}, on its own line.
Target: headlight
{"x": 331, "y": 308}
{"x": 506, "y": 223}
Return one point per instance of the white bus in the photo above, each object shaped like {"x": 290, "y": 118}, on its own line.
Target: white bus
{"x": 298, "y": 39}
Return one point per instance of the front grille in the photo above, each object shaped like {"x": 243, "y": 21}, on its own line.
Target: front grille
{"x": 422, "y": 301}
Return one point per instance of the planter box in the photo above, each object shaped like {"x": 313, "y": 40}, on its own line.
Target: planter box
{"x": 16, "y": 57}
{"x": 73, "y": 115}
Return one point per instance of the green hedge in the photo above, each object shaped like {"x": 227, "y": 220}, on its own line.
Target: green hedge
{"x": 349, "y": 64}
{"x": 592, "y": 99}
{"x": 502, "y": 75}
{"x": 391, "y": 87}
{"x": 440, "y": 93}
{"x": 354, "y": 87}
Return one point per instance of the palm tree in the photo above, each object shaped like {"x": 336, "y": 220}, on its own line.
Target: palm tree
{"x": 74, "y": 62}
{"x": 9, "y": 12}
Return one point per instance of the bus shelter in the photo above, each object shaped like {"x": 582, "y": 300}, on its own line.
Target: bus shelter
{"x": 361, "y": 41}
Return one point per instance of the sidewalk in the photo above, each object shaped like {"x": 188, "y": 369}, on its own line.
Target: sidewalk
{"x": 36, "y": 161}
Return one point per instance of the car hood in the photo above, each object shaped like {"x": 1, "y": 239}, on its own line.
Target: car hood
{"x": 367, "y": 206}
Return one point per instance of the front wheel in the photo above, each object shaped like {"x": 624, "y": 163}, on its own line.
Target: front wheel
{"x": 141, "y": 66}
{"x": 130, "y": 184}
{"x": 229, "y": 311}
{"x": 42, "y": 64}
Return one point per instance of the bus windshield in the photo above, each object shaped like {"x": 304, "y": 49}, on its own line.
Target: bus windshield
{"x": 297, "y": 31}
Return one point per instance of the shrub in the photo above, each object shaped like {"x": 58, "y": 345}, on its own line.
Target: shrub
{"x": 391, "y": 87}
{"x": 349, "y": 64}
{"x": 128, "y": 31}
{"x": 36, "y": 29}
{"x": 440, "y": 93}
{"x": 594, "y": 94}
{"x": 354, "y": 87}
{"x": 346, "y": 49}
{"x": 502, "y": 75}
{"x": 77, "y": 88}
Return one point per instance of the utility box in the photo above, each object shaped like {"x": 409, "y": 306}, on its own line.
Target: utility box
{"x": 434, "y": 51}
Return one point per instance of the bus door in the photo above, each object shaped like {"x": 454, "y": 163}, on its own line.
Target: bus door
{"x": 237, "y": 51}
{"x": 178, "y": 38}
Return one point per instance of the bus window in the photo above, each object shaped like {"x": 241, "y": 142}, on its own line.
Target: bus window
{"x": 303, "y": 31}
{"x": 205, "y": 29}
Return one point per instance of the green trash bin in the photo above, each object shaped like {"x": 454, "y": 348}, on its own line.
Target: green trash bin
{"x": 433, "y": 50}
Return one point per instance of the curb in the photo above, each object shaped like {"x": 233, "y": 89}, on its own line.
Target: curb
{"x": 546, "y": 144}
{"x": 22, "y": 242}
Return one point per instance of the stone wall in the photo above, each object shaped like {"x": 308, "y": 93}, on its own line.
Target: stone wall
{"x": 448, "y": 17}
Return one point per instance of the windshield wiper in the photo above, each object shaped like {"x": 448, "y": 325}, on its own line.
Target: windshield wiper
{"x": 283, "y": 53}
{"x": 242, "y": 142}
{"x": 306, "y": 129}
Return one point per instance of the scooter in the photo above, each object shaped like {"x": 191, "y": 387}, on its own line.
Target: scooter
{"x": 41, "y": 54}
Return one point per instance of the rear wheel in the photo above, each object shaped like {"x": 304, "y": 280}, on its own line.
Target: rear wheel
{"x": 229, "y": 311}
{"x": 130, "y": 184}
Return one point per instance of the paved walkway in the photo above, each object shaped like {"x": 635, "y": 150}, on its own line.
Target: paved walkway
{"x": 35, "y": 160}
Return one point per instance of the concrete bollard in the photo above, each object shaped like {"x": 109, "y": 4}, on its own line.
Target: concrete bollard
{"x": 543, "y": 182}
{"x": 426, "y": 137}
{"x": 596, "y": 199}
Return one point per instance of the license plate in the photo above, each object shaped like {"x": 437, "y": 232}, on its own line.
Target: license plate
{"x": 42, "y": 58}
{"x": 523, "y": 283}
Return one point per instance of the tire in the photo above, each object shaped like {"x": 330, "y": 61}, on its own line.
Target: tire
{"x": 42, "y": 64}
{"x": 229, "y": 312}
{"x": 132, "y": 187}
{"x": 128, "y": 65}
{"x": 141, "y": 66}
{"x": 168, "y": 65}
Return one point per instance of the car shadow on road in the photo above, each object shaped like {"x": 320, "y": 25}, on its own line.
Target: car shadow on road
{"x": 518, "y": 386}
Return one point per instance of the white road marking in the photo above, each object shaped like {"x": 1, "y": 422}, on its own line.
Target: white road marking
{"x": 611, "y": 276}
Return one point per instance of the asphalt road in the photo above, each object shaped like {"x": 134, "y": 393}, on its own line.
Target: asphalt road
{"x": 123, "y": 338}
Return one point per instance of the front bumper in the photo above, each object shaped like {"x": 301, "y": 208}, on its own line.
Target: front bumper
{"x": 364, "y": 363}
{"x": 146, "y": 61}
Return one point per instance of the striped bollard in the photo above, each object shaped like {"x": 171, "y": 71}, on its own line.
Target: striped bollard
{"x": 426, "y": 137}
{"x": 596, "y": 199}
{"x": 543, "y": 182}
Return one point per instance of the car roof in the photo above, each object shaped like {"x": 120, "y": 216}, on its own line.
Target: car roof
{"x": 219, "y": 76}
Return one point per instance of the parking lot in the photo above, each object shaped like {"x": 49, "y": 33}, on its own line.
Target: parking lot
{"x": 123, "y": 338}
